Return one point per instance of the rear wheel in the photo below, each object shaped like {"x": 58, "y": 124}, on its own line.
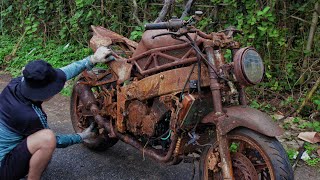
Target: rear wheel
{"x": 254, "y": 156}
{"x": 81, "y": 118}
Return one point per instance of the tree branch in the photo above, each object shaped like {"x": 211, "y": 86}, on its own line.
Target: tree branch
{"x": 135, "y": 12}
{"x": 187, "y": 8}
{"x": 312, "y": 31}
{"x": 314, "y": 88}
{"x": 164, "y": 10}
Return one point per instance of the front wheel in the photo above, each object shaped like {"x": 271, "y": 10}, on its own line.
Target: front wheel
{"x": 254, "y": 156}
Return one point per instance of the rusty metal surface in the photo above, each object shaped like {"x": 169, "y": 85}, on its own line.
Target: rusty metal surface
{"x": 104, "y": 36}
{"x": 98, "y": 77}
{"x": 239, "y": 116}
{"x": 242, "y": 96}
{"x": 225, "y": 157}
{"x": 157, "y": 85}
{"x": 89, "y": 102}
{"x": 147, "y": 42}
{"x": 137, "y": 111}
{"x": 163, "y": 52}
{"x": 165, "y": 158}
{"x": 164, "y": 83}
{"x": 214, "y": 84}
{"x": 143, "y": 119}
{"x": 163, "y": 58}
{"x": 122, "y": 69}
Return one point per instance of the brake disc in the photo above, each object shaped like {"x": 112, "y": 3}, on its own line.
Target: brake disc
{"x": 243, "y": 169}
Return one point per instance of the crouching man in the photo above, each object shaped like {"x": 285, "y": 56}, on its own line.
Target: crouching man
{"x": 26, "y": 142}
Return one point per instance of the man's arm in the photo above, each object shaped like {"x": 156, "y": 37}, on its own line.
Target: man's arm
{"x": 68, "y": 140}
{"x": 77, "y": 67}
{"x": 74, "y": 69}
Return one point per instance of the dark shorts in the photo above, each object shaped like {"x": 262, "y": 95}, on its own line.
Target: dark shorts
{"x": 15, "y": 164}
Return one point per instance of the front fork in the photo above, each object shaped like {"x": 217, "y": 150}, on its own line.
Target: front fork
{"x": 226, "y": 162}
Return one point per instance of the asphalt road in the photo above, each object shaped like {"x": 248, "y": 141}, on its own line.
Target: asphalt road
{"x": 119, "y": 162}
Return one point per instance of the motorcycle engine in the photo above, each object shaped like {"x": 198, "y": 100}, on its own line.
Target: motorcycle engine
{"x": 144, "y": 118}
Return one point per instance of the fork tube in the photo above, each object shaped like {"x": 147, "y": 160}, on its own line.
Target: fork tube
{"x": 214, "y": 84}
{"x": 226, "y": 164}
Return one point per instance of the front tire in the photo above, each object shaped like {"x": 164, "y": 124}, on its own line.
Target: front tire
{"x": 255, "y": 156}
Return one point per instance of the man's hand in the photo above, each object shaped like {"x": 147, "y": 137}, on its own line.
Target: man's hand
{"x": 100, "y": 55}
{"x": 87, "y": 133}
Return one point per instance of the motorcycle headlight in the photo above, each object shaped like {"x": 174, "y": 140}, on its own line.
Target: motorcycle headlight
{"x": 248, "y": 66}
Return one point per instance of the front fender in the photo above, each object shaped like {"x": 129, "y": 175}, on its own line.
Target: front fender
{"x": 239, "y": 116}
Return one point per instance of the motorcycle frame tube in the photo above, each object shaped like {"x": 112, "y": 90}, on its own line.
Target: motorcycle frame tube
{"x": 158, "y": 52}
{"x": 214, "y": 84}
{"x": 89, "y": 101}
{"x": 226, "y": 163}
{"x": 242, "y": 96}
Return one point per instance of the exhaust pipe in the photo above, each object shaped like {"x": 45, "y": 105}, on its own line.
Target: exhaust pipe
{"x": 89, "y": 101}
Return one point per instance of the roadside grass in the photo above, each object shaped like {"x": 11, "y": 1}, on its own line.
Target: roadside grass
{"x": 54, "y": 52}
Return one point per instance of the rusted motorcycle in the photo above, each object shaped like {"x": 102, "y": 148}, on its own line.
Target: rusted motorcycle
{"x": 175, "y": 97}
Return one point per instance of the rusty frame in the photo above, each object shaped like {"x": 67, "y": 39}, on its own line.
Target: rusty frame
{"x": 154, "y": 55}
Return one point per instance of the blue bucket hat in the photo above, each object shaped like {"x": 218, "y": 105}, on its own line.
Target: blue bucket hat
{"x": 41, "y": 81}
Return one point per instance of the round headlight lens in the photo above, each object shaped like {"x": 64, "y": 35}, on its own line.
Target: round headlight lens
{"x": 248, "y": 66}
{"x": 252, "y": 66}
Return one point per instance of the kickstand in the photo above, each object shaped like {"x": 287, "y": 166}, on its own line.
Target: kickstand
{"x": 301, "y": 150}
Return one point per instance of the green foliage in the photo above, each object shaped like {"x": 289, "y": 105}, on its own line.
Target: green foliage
{"x": 313, "y": 161}
{"x": 56, "y": 54}
{"x": 310, "y": 149}
{"x": 263, "y": 106}
{"x": 316, "y": 100}
{"x": 6, "y": 46}
{"x": 234, "y": 147}
{"x": 313, "y": 126}
{"x": 292, "y": 153}
{"x": 136, "y": 34}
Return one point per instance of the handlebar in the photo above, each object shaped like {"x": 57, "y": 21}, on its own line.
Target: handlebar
{"x": 161, "y": 25}
{"x": 172, "y": 25}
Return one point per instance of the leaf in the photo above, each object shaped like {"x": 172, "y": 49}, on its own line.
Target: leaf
{"x": 89, "y": 15}
{"x": 269, "y": 76}
{"x": 28, "y": 28}
{"x": 251, "y": 36}
{"x": 254, "y": 104}
{"x": 266, "y": 9}
{"x": 262, "y": 28}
